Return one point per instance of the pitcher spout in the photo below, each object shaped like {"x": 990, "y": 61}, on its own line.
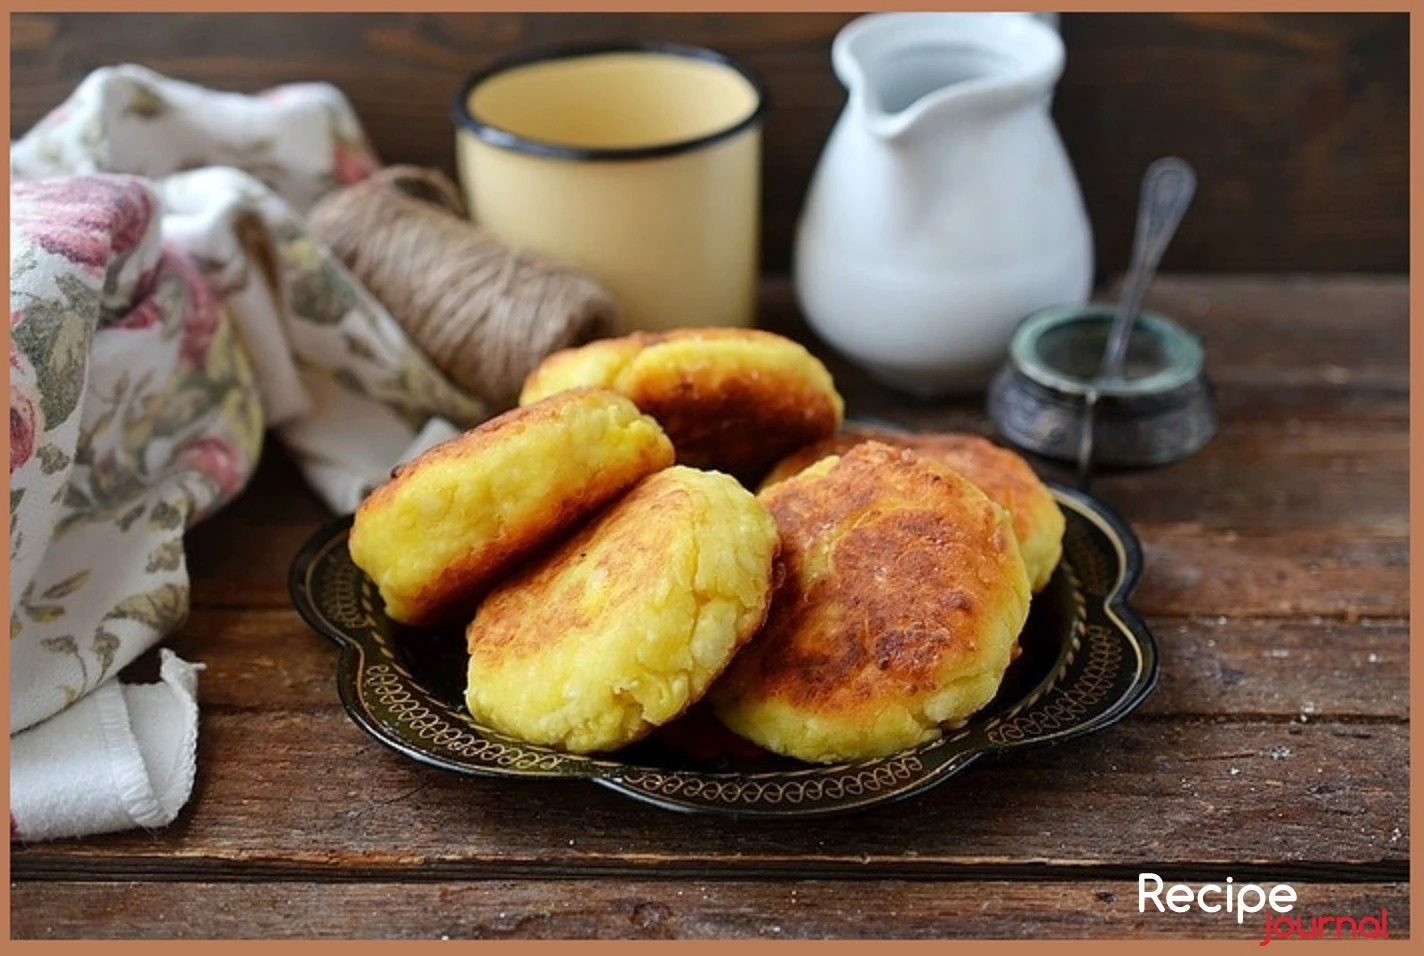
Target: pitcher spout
{"x": 905, "y": 70}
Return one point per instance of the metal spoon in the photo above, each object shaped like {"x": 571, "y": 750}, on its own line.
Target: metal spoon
{"x": 1167, "y": 190}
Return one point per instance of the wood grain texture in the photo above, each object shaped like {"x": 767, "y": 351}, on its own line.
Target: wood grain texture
{"x": 306, "y": 795}
{"x": 269, "y": 660}
{"x": 641, "y": 909}
{"x": 1275, "y": 748}
{"x": 1283, "y": 352}
{"x": 1297, "y": 123}
{"x": 1270, "y": 109}
{"x": 1316, "y": 574}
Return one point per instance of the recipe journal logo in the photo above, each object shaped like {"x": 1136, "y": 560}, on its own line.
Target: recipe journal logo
{"x": 1240, "y": 900}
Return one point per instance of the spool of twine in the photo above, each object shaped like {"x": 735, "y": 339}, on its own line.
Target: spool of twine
{"x": 486, "y": 314}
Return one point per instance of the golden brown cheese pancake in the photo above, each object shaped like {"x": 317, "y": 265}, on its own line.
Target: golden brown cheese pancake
{"x": 438, "y": 533}
{"x": 736, "y": 400}
{"x": 624, "y": 625}
{"x": 1002, "y": 475}
{"x": 903, "y": 597}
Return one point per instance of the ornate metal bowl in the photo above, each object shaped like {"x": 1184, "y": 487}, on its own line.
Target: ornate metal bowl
{"x": 1086, "y": 661}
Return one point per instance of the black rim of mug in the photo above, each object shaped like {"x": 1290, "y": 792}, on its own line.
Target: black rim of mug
{"x": 506, "y": 139}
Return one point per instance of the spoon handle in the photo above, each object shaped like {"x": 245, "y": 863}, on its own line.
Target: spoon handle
{"x": 1167, "y": 189}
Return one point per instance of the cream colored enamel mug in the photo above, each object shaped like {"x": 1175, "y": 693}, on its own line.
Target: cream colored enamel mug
{"x": 640, "y": 164}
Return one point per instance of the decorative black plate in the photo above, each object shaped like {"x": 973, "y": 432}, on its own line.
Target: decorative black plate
{"x": 1086, "y": 662}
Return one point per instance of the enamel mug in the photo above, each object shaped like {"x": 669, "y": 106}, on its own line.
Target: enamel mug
{"x": 639, "y": 164}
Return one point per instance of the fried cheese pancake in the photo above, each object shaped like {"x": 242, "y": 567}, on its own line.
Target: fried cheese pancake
{"x": 624, "y": 625}
{"x": 903, "y": 597}
{"x": 736, "y": 400}
{"x": 439, "y": 532}
{"x": 1000, "y": 473}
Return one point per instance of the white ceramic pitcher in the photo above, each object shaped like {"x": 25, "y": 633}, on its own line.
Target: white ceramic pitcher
{"x": 944, "y": 209}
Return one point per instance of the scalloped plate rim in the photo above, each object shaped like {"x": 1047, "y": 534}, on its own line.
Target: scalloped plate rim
{"x": 611, "y": 774}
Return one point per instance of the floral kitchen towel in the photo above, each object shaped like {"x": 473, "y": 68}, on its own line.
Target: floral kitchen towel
{"x": 133, "y": 414}
{"x": 166, "y": 307}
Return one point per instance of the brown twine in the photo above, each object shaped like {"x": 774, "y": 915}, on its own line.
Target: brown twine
{"x": 484, "y": 313}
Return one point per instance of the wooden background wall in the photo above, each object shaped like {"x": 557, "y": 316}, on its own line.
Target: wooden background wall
{"x": 1297, "y": 123}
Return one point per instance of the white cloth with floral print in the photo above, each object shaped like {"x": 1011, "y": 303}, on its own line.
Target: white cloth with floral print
{"x": 166, "y": 307}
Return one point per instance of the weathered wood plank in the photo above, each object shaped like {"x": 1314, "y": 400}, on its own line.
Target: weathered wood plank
{"x": 1281, "y": 99}
{"x": 1264, "y": 479}
{"x": 1190, "y": 570}
{"x": 307, "y": 795}
{"x": 691, "y": 909}
{"x": 1299, "y": 668}
{"x": 1334, "y": 330}
{"x": 270, "y": 660}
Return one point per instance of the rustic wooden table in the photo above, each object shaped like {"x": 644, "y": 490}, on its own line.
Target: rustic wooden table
{"x": 1274, "y": 749}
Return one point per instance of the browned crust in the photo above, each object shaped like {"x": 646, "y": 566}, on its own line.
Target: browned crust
{"x": 1001, "y": 474}
{"x": 624, "y": 541}
{"x": 740, "y": 420}
{"x": 532, "y": 609}
{"x": 735, "y": 417}
{"x": 740, "y": 424}
{"x": 453, "y": 594}
{"x": 912, "y": 553}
